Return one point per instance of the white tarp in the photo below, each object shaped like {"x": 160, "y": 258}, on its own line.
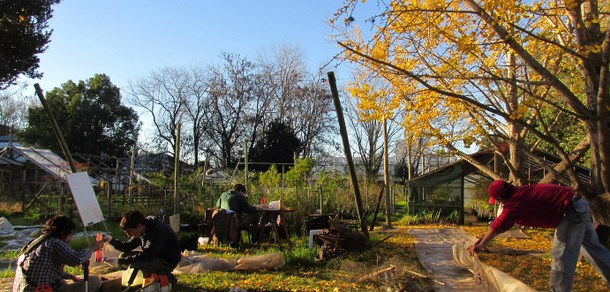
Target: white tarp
{"x": 194, "y": 262}
{"x": 5, "y": 224}
{"x": 487, "y": 278}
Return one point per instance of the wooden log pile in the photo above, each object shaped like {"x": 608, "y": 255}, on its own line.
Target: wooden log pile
{"x": 338, "y": 239}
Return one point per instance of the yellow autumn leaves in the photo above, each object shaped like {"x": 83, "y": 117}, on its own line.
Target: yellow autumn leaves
{"x": 529, "y": 260}
{"x": 443, "y": 69}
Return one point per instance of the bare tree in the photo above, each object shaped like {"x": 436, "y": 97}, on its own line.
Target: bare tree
{"x": 14, "y": 107}
{"x": 313, "y": 119}
{"x": 367, "y": 129}
{"x": 300, "y": 99}
{"x": 286, "y": 66}
{"x": 163, "y": 95}
{"x": 225, "y": 105}
{"x": 195, "y": 108}
{"x": 231, "y": 92}
{"x": 260, "y": 112}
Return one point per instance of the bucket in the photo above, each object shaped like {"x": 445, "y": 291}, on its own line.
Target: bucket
{"x": 203, "y": 240}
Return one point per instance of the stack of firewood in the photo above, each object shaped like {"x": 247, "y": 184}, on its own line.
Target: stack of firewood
{"x": 338, "y": 239}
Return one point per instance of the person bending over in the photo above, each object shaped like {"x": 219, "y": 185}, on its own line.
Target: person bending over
{"x": 160, "y": 249}
{"x": 550, "y": 206}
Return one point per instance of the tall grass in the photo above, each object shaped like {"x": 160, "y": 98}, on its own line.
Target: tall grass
{"x": 424, "y": 217}
{"x": 9, "y": 255}
{"x": 301, "y": 256}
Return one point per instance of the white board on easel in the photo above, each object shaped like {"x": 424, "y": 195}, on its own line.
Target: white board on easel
{"x": 84, "y": 197}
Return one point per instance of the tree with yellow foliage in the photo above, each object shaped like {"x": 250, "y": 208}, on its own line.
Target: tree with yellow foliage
{"x": 483, "y": 72}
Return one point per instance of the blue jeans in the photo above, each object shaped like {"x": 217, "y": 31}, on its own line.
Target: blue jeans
{"x": 575, "y": 232}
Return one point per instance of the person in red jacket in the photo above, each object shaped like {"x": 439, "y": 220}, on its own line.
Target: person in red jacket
{"x": 550, "y": 206}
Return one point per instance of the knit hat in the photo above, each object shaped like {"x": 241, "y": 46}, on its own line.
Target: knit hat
{"x": 499, "y": 189}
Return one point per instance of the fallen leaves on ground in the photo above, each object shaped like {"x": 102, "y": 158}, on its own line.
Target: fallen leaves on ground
{"x": 525, "y": 259}
{"x": 532, "y": 263}
{"x": 337, "y": 274}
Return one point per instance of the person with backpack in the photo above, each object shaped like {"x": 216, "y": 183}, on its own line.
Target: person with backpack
{"x": 40, "y": 266}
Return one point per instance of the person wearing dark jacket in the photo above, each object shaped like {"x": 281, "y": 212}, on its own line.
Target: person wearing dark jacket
{"x": 550, "y": 206}
{"x": 160, "y": 248}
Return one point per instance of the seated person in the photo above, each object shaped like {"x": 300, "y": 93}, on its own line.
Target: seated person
{"x": 160, "y": 249}
{"x": 42, "y": 261}
{"x": 236, "y": 201}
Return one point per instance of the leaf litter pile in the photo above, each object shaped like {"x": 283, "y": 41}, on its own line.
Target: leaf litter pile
{"x": 391, "y": 265}
{"x": 529, "y": 260}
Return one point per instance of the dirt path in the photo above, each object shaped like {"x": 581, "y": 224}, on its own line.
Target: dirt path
{"x": 433, "y": 248}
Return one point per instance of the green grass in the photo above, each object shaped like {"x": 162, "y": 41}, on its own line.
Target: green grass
{"x": 425, "y": 217}
{"x": 301, "y": 271}
{"x": 7, "y": 273}
{"x": 301, "y": 256}
{"x": 9, "y": 254}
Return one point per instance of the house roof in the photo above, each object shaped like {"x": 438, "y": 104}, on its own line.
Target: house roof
{"x": 5, "y": 161}
{"x": 448, "y": 173}
{"x": 43, "y": 158}
{"x": 6, "y": 140}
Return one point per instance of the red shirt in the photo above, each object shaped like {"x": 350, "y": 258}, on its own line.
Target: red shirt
{"x": 537, "y": 205}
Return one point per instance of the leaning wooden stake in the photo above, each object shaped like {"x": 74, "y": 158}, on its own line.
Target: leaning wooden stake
{"x": 377, "y": 208}
{"x": 348, "y": 152}
{"x": 56, "y": 130}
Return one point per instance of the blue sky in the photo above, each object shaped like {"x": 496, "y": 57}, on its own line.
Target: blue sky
{"x": 127, "y": 39}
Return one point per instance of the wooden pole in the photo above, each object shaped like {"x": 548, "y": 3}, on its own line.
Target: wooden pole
{"x": 56, "y": 130}
{"x": 246, "y": 165}
{"x": 321, "y": 200}
{"x": 386, "y": 176}
{"x": 176, "y": 168}
{"x": 131, "y": 166}
{"x": 348, "y": 152}
{"x": 58, "y": 135}
{"x": 109, "y": 200}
